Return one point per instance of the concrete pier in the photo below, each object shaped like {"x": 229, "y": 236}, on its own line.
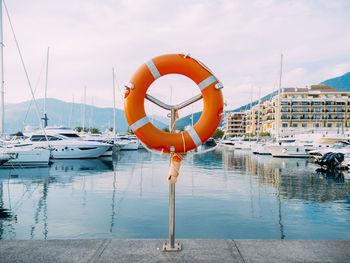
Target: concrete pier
{"x": 193, "y": 250}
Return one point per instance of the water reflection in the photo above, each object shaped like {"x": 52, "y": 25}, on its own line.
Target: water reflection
{"x": 294, "y": 178}
{"x": 240, "y": 195}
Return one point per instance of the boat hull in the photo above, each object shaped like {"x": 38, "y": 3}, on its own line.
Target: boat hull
{"x": 289, "y": 151}
{"x": 28, "y": 157}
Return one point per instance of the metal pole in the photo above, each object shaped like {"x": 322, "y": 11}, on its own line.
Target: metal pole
{"x": 171, "y": 246}
{"x": 172, "y": 193}
{"x": 114, "y": 125}
{"x": 279, "y": 102}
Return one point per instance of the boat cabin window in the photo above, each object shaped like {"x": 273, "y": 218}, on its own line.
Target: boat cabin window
{"x": 39, "y": 138}
{"x": 70, "y": 135}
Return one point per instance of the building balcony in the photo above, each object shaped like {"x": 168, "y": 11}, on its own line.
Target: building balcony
{"x": 335, "y": 118}
{"x": 301, "y": 112}
{"x": 300, "y": 119}
{"x": 335, "y": 103}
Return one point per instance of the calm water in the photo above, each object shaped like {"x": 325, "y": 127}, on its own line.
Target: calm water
{"x": 222, "y": 194}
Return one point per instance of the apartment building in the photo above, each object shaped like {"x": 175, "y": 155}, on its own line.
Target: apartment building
{"x": 235, "y": 124}
{"x": 318, "y": 108}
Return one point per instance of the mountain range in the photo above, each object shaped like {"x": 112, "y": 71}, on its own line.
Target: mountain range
{"x": 70, "y": 114}
{"x": 60, "y": 113}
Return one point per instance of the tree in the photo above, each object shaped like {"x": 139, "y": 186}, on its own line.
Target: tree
{"x": 267, "y": 134}
{"x": 79, "y": 129}
{"x": 166, "y": 129}
{"x": 19, "y": 133}
{"x": 218, "y": 134}
{"x": 94, "y": 130}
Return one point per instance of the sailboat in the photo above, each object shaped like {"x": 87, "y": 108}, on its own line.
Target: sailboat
{"x": 27, "y": 155}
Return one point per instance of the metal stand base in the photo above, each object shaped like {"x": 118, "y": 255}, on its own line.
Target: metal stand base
{"x": 167, "y": 248}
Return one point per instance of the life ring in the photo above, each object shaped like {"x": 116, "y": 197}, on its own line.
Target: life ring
{"x": 135, "y": 111}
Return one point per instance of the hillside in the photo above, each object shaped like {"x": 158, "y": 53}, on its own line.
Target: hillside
{"x": 67, "y": 114}
{"x": 341, "y": 82}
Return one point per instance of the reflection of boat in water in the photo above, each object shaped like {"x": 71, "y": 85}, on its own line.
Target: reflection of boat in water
{"x": 56, "y": 169}
{"x": 333, "y": 174}
{"x": 292, "y": 163}
{"x": 81, "y": 165}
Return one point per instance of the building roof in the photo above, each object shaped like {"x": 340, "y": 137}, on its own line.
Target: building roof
{"x": 321, "y": 88}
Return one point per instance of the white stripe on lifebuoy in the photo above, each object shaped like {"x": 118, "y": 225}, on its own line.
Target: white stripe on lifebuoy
{"x": 205, "y": 83}
{"x": 194, "y": 136}
{"x": 138, "y": 124}
{"x": 153, "y": 69}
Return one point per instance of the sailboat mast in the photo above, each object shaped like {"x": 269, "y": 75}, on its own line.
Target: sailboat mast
{"x": 114, "y": 124}
{"x": 279, "y": 101}
{"x": 259, "y": 110}
{"x": 45, "y": 119}
{"x": 2, "y": 73}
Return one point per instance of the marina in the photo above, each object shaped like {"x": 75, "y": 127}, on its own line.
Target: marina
{"x": 230, "y": 148}
{"x": 226, "y": 194}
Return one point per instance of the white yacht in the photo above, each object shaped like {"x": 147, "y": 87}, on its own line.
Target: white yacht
{"x": 261, "y": 148}
{"x": 127, "y": 143}
{"x": 26, "y": 156}
{"x": 229, "y": 142}
{"x": 66, "y": 144}
{"x": 300, "y": 146}
{"x": 244, "y": 144}
{"x": 339, "y": 147}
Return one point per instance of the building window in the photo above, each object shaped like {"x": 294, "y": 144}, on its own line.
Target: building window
{"x": 339, "y": 124}
{"x": 317, "y": 125}
{"x": 295, "y": 125}
{"x": 284, "y": 125}
{"x": 329, "y": 125}
{"x": 304, "y": 125}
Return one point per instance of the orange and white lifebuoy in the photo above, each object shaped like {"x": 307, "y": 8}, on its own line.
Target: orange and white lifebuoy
{"x": 135, "y": 111}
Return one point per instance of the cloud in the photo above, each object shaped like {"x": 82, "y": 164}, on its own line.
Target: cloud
{"x": 241, "y": 41}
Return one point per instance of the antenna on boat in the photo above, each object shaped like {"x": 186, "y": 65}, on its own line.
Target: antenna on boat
{"x": 84, "y": 105}
{"x": 259, "y": 112}
{"x": 44, "y": 118}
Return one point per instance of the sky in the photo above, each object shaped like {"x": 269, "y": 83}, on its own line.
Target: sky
{"x": 241, "y": 41}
